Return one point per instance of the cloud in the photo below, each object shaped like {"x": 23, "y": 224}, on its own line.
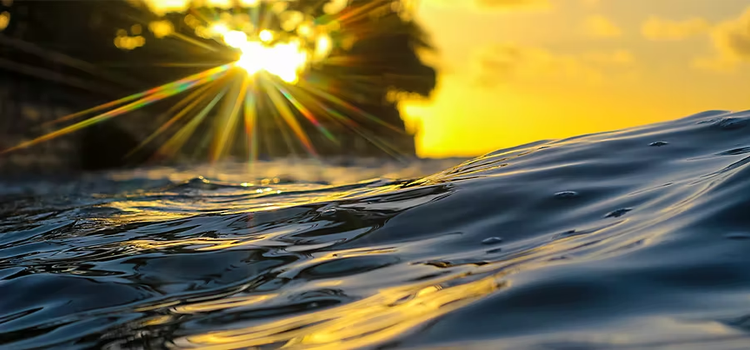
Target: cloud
{"x": 505, "y": 63}
{"x": 656, "y": 28}
{"x": 731, "y": 40}
{"x": 601, "y": 27}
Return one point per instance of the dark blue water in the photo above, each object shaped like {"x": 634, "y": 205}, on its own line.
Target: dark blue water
{"x": 636, "y": 239}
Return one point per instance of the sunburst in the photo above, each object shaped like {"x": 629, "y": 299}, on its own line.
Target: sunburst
{"x": 277, "y": 44}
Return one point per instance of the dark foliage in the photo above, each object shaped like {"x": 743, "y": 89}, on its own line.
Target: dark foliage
{"x": 70, "y": 43}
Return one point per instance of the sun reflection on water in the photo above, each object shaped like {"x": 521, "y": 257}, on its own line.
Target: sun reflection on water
{"x": 366, "y": 322}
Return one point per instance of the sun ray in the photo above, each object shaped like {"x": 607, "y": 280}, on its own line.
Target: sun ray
{"x": 196, "y": 97}
{"x": 280, "y": 126}
{"x": 227, "y": 131}
{"x": 274, "y": 86}
{"x": 304, "y": 111}
{"x": 286, "y": 113}
{"x": 192, "y": 41}
{"x": 181, "y": 136}
{"x": 340, "y": 102}
{"x": 51, "y": 75}
{"x": 359, "y": 12}
{"x": 59, "y": 57}
{"x": 151, "y": 96}
{"x": 347, "y": 122}
{"x": 250, "y": 123}
{"x": 139, "y": 95}
{"x": 354, "y": 126}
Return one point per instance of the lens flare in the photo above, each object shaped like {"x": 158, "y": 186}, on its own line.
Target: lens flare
{"x": 261, "y": 88}
{"x": 284, "y": 59}
{"x": 266, "y": 36}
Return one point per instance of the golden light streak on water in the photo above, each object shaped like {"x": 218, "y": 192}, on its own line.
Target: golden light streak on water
{"x": 384, "y": 316}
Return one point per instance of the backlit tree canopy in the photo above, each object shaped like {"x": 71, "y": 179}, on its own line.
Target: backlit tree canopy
{"x": 348, "y": 59}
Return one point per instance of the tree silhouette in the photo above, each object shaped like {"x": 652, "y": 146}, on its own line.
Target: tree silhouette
{"x": 375, "y": 54}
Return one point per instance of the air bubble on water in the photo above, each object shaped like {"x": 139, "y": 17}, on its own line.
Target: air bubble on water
{"x": 617, "y": 213}
{"x": 566, "y": 194}
{"x": 492, "y": 240}
{"x": 569, "y": 233}
{"x": 328, "y": 210}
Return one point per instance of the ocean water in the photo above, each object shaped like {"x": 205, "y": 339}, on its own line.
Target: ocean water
{"x": 634, "y": 239}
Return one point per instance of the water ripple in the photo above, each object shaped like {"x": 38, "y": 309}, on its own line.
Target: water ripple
{"x": 597, "y": 241}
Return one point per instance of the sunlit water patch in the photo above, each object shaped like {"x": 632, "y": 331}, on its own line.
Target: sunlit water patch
{"x": 625, "y": 240}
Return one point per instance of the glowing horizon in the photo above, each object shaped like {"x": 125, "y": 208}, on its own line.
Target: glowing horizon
{"x": 510, "y": 74}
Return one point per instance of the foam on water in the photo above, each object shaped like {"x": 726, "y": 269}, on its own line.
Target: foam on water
{"x": 629, "y": 239}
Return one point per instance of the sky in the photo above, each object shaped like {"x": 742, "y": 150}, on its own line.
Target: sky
{"x": 518, "y": 71}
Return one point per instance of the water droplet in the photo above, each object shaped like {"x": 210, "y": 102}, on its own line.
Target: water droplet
{"x": 658, "y": 143}
{"x": 566, "y": 194}
{"x": 492, "y": 240}
{"x": 738, "y": 235}
{"x": 617, "y": 213}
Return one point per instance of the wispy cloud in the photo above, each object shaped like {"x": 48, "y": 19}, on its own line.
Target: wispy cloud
{"x": 731, "y": 40}
{"x": 658, "y": 29}
{"x": 601, "y": 27}
{"x": 506, "y": 63}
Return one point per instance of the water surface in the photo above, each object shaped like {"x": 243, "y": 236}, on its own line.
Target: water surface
{"x": 625, "y": 240}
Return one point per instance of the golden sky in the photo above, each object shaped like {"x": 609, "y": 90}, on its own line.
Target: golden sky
{"x": 517, "y": 71}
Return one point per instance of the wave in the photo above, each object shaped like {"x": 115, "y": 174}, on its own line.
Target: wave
{"x": 636, "y": 238}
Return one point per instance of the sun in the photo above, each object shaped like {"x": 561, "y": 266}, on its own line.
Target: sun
{"x": 272, "y": 79}
{"x": 283, "y": 59}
